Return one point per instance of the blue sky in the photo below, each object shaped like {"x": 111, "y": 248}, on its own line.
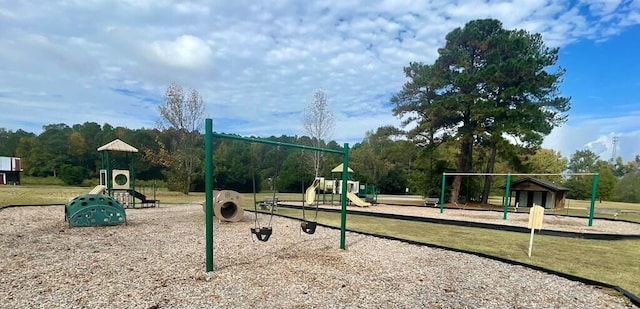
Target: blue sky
{"x": 257, "y": 65}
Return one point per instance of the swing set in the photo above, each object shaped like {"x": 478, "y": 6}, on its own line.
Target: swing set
{"x": 507, "y": 191}
{"x": 263, "y": 233}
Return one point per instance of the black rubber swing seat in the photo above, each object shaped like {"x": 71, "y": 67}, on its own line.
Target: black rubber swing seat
{"x": 308, "y": 227}
{"x": 262, "y": 233}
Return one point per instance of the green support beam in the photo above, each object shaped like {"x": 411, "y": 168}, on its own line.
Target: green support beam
{"x": 265, "y": 141}
{"x": 208, "y": 166}
{"x": 343, "y": 198}
{"x": 594, "y": 189}
{"x": 507, "y": 191}
{"x": 109, "y": 173}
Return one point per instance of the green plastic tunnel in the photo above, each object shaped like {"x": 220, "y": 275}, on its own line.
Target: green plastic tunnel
{"x": 94, "y": 210}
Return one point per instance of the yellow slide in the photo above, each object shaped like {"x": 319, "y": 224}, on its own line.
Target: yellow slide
{"x": 310, "y": 194}
{"x": 99, "y": 189}
{"x": 356, "y": 200}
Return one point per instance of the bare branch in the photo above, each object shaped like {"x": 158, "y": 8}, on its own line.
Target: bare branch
{"x": 183, "y": 113}
{"x": 319, "y": 123}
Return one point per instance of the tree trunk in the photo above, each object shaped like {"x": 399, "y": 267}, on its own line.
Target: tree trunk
{"x": 317, "y": 163}
{"x": 462, "y": 165}
{"x": 488, "y": 178}
{"x": 188, "y": 161}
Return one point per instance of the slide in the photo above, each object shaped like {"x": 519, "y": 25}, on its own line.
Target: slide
{"x": 138, "y": 195}
{"x": 143, "y": 198}
{"x": 99, "y": 189}
{"x": 356, "y": 200}
{"x": 310, "y": 194}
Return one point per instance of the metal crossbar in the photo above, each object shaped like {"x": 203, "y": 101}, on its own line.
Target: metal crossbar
{"x": 265, "y": 141}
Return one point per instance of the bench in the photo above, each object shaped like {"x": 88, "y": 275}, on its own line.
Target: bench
{"x": 432, "y": 201}
{"x": 606, "y": 211}
{"x": 269, "y": 201}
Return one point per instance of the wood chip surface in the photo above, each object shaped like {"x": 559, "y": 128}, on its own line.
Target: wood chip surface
{"x": 157, "y": 260}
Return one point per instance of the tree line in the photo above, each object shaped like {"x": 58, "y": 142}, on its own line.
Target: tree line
{"x": 381, "y": 158}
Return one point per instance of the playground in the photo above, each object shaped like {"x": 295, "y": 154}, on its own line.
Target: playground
{"x": 305, "y": 256}
{"x": 156, "y": 260}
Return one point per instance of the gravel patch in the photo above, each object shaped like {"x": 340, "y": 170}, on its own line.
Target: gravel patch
{"x": 157, "y": 261}
{"x": 520, "y": 219}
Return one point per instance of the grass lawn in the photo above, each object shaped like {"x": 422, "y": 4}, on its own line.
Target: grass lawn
{"x": 616, "y": 262}
{"x": 48, "y": 194}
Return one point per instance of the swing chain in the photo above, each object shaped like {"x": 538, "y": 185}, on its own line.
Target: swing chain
{"x": 309, "y": 227}
{"x": 264, "y": 233}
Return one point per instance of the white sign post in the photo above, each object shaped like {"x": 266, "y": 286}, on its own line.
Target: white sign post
{"x": 536, "y": 214}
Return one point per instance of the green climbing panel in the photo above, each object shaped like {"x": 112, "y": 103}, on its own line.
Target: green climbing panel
{"x": 94, "y": 210}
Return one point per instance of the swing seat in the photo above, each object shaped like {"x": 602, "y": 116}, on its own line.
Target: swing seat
{"x": 262, "y": 233}
{"x": 308, "y": 227}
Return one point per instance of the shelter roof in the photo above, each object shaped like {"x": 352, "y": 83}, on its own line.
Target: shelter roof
{"x": 117, "y": 145}
{"x": 338, "y": 169}
{"x": 544, "y": 183}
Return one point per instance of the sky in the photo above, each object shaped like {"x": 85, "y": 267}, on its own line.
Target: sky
{"x": 257, "y": 64}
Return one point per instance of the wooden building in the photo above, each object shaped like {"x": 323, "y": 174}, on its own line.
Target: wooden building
{"x": 10, "y": 169}
{"x": 528, "y": 191}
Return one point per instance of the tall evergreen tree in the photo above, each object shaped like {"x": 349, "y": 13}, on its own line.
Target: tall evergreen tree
{"x": 488, "y": 83}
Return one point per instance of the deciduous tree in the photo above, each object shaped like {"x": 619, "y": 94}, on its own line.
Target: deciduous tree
{"x": 319, "y": 123}
{"x": 183, "y": 112}
{"x": 586, "y": 161}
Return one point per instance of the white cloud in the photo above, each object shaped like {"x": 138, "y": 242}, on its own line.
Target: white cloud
{"x": 597, "y": 133}
{"x": 186, "y": 51}
{"x": 257, "y": 65}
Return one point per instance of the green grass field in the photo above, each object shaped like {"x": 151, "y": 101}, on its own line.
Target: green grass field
{"x": 615, "y": 262}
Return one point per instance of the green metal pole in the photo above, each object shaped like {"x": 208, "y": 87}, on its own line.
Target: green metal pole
{"x": 343, "y": 198}
{"x": 208, "y": 166}
{"x": 269, "y": 142}
{"x": 133, "y": 180}
{"x": 442, "y": 192}
{"x": 594, "y": 189}
{"x": 507, "y": 190}
{"x": 109, "y": 174}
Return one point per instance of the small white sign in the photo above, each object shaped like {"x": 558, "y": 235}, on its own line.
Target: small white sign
{"x": 536, "y": 214}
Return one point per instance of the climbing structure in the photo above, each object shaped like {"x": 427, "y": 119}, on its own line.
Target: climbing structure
{"x": 119, "y": 175}
{"x": 94, "y": 210}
